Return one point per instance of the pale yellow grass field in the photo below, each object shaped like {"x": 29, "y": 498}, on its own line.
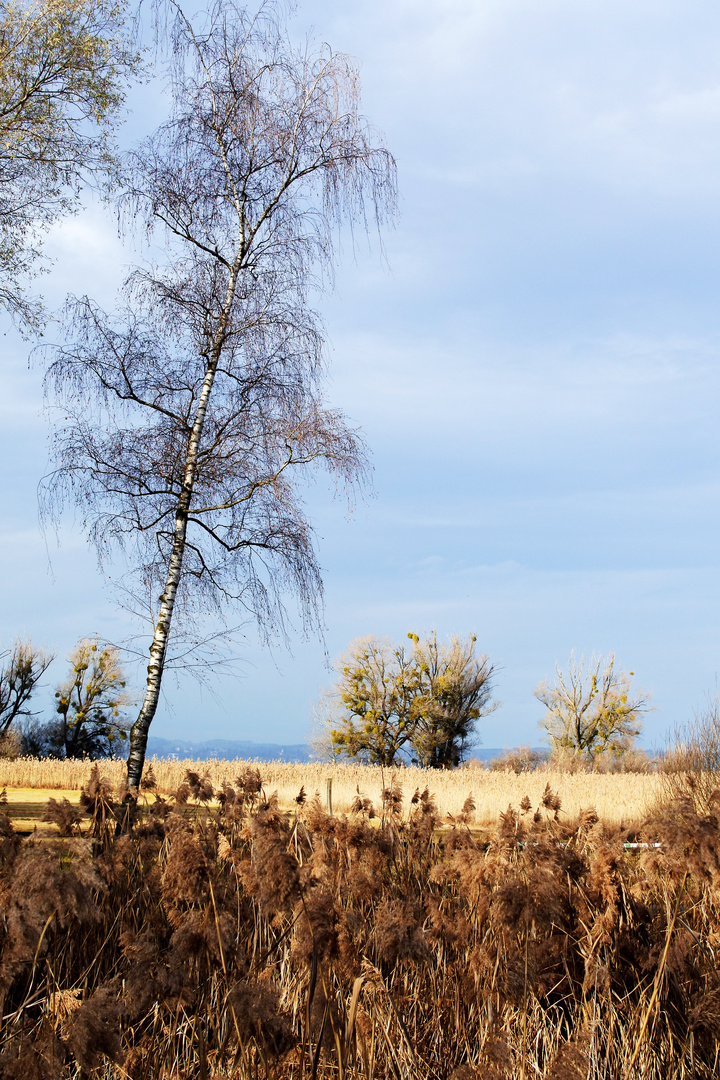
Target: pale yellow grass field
{"x": 26, "y": 805}
{"x": 617, "y": 798}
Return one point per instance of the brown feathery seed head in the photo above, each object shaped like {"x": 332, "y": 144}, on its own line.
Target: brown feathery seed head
{"x": 249, "y": 783}
{"x": 705, "y": 1014}
{"x": 550, "y": 800}
{"x": 510, "y": 833}
{"x": 9, "y": 844}
{"x": 203, "y": 941}
{"x": 571, "y": 1061}
{"x": 448, "y": 925}
{"x": 53, "y": 884}
{"x": 689, "y": 850}
{"x": 36, "y": 1056}
{"x": 361, "y": 804}
{"x": 113, "y": 863}
{"x": 316, "y": 926}
{"x": 256, "y": 1010}
{"x": 225, "y": 794}
{"x": 317, "y": 820}
{"x": 94, "y": 1029}
{"x": 497, "y": 1052}
{"x": 149, "y": 780}
{"x": 185, "y": 876}
{"x": 392, "y": 798}
{"x": 182, "y": 794}
{"x": 588, "y": 818}
{"x": 97, "y": 792}
{"x": 597, "y": 980}
{"x": 200, "y": 787}
{"x": 399, "y": 935}
{"x": 62, "y": 1004}
{"x": 519, "y": 905}
{"x": 271, "y": 875}
{"x": 64, "y": 815}
{"x": 138, "y": 947}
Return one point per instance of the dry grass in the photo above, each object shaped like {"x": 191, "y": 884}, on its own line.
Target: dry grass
{"x": 620, "y": 798}
{"x": 244, "y": 943}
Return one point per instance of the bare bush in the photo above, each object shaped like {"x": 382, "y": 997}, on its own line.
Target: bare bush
{"x": 521, "y": 759}
{"x": 11, "y": 745}
{"x": 691, "y": 765}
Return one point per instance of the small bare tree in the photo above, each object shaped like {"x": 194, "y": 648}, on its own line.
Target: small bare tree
{"x": 19, "y": 677}
{"x": 592, "y": 711}
{"x": 377, "y": 701}
{"x": 190, "y": 415}
{"x": 690, "y": 767}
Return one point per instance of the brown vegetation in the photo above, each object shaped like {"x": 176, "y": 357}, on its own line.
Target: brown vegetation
{"x": 245, "y": 942}
{"x": 691, "y": 767}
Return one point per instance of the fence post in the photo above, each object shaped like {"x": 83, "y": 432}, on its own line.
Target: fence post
{"x": 329, "y": 795}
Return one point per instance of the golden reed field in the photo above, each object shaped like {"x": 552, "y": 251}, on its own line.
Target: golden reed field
{"x": 232, "y": 933}
{"x": 617, "y": 798}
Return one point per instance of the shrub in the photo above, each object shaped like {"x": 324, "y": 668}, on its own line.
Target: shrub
{"x": 691, "y": 764}
{"x": 521, "y": 759}
{"x": 11, "y": 744}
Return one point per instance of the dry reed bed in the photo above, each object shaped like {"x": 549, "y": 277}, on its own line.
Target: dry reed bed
{"x": 247, "y": 943}
{"x": 620, "y": 798}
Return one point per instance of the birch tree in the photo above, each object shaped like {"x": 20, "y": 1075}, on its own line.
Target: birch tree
{"x": 190, "y": 415}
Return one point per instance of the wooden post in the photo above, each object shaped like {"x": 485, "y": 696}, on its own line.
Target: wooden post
{"x": 329, "y": 795}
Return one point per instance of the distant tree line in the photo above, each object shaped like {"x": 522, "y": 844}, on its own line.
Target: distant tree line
{"x": 391, "y": 705}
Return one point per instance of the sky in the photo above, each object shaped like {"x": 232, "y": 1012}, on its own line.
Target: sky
{"x": 534, "y": 360}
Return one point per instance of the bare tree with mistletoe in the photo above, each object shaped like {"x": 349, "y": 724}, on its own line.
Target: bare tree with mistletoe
{"x": 191, "y": 414}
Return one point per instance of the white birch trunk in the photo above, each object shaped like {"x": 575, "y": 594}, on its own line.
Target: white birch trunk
{"x": 158, "y": 649}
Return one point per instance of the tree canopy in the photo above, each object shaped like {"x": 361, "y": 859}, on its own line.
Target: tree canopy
{"x": 64, "y": 69}
{"x": 393, "y": 705}
{"x": 19, "y": 676}
{"x": 90, "y": 720}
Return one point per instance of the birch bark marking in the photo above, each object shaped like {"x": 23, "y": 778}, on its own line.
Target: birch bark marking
{"x": 161, "y": 636}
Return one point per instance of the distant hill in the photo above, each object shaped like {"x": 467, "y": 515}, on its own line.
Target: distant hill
{"x": 254, "y": 751}
{"x": 227, "y": 749}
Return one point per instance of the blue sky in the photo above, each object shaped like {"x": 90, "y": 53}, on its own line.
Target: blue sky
{"x": 534, "y": 364}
